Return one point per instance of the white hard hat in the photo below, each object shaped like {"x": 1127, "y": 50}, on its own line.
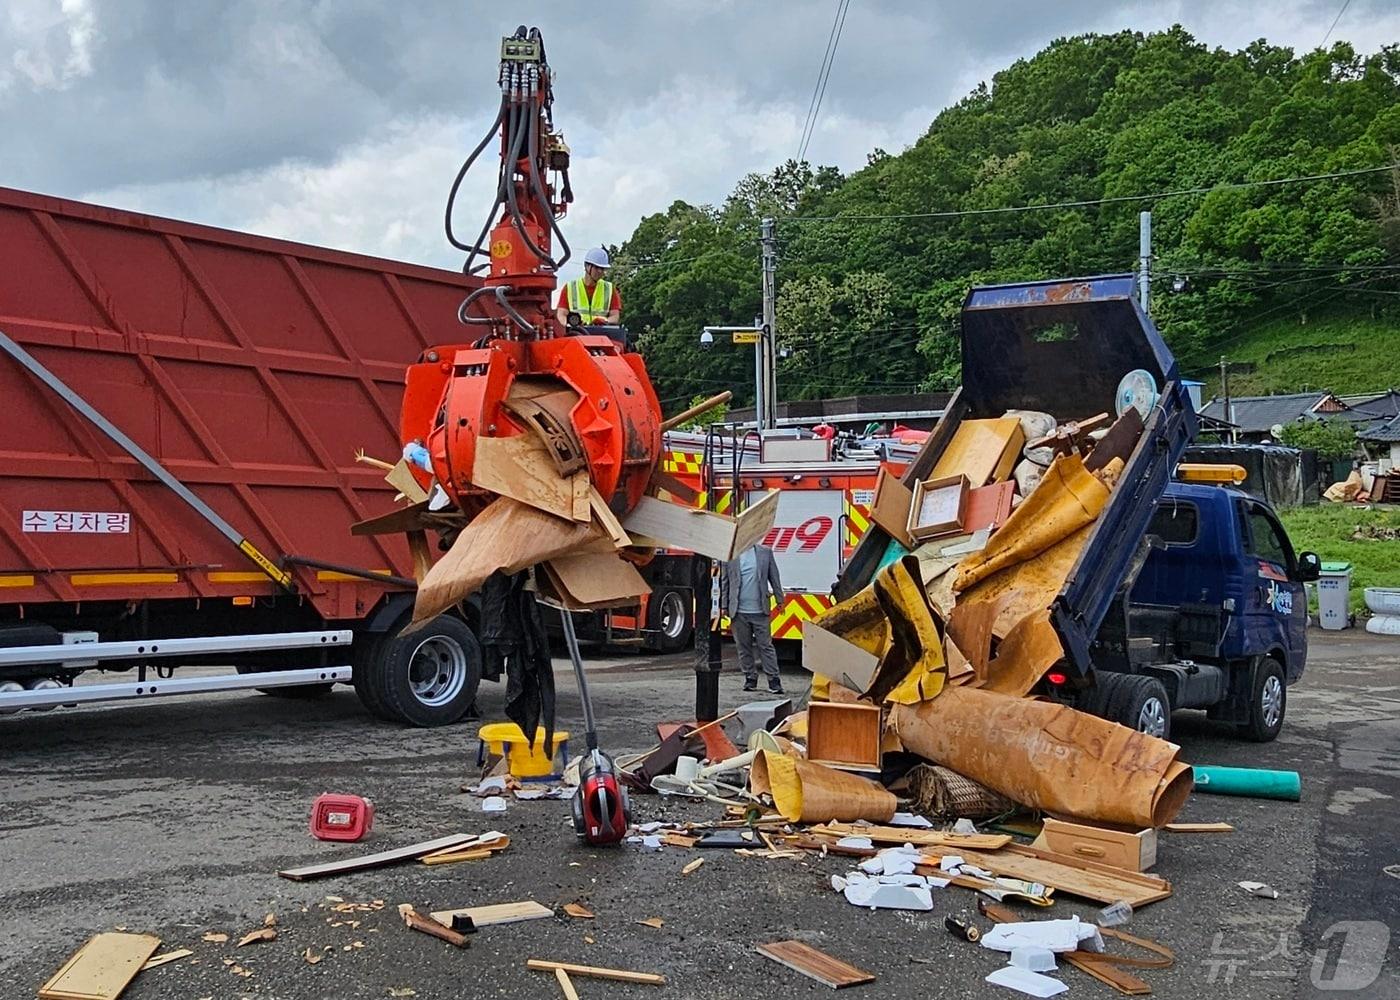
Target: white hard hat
{"x": 598, "y": 257}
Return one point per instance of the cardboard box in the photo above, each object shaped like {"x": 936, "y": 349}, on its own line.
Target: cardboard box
{"x": 938, "y": 507}
{"x": 985, "y": 451}
{"x": 844, "y": 735}
{"x": 1133, "y": 851}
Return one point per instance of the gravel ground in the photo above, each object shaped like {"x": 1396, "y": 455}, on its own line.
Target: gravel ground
{"x": 173, "y": 817}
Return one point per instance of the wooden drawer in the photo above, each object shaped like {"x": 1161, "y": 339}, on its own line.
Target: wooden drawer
{"x": 1136, "y": 852}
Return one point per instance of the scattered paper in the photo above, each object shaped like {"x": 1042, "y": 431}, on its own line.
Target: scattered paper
{"x": 910, "y": 819}
{"x": 1259, "y": 889}
{"x": 489, "y": 786}
{"x": 1032, "y": 984}
{"x": 950, "y": 863}
{"x": 493, "y": 804}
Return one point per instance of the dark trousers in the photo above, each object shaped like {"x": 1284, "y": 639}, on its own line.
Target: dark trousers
{"x": 753, "y": 632}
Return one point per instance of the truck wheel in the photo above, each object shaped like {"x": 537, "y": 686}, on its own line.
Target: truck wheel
{"x": 299, "y": 691}
{"x": 1268, "y": 700}
{"x": 364, "y": 653}
{"x": 671, "y": 619}
{"x": 1140, "y": 702}
{"x": 429, "y": 677}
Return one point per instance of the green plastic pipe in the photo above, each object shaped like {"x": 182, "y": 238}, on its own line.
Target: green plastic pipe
{"x": 1249, "y": 782}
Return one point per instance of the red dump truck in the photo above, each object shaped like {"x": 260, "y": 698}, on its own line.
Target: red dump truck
{"x": 183, "y": 407}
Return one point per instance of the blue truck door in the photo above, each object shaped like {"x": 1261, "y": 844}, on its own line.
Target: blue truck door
{"x": 1277, "y": 607}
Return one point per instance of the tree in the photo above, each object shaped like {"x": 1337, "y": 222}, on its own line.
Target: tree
{"x": 1329, "y": 438}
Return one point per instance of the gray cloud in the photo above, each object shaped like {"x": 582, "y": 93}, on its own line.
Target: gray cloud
{"x": 341, "y": 121}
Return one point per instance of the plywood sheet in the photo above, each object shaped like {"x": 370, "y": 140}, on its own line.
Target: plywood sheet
{"x": 814, "y": 964}
{"x": 496, "y": 913}
{"x": 519, "y": 467}
{"x": 596, "y": 580}
{"x": 982, "y": 450}
{"x": 378, "y": 860}
{"x": 101, "y": 968}
{"x": 832, "y": 656}
{"x": 704, "y": 532}
{"x": 1099, "y": 883}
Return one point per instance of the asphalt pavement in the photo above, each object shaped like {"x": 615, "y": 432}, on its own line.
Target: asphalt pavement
{"x": 173, "y": 817}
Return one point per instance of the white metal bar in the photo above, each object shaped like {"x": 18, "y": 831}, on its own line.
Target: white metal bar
{"x": 156, "y": 688}
{"x": 17, "y": 656}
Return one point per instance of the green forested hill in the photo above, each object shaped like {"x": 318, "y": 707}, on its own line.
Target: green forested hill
{"x": 869, "y": 303}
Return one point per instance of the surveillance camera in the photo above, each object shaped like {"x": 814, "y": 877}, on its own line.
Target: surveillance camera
{"x": 707, "y": 340}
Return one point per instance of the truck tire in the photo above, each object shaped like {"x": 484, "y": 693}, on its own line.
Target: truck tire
{"x": 365, "y": 651}
{"x": 300, "y": 691}
{"x": 1139, "y": 702}
{"x": 426, "y": 678}
{"x": 671, "y": 620}
{"x": 1268, "y": 701}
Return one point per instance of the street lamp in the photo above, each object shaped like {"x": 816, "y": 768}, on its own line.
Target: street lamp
{"x": 759, "y": 334}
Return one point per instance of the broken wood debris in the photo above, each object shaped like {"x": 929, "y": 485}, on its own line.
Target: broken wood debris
{"x": 379, "y": 860}
{"x": 496, "y": 913}
{"x": 597, "y": 972}
{"x": 692, "y": 866}
{"x": 566, "y": 985}
{"x": 156, "y": 961}
{"x": 261, "y": 934}
{"x": 416, "y": 921}
{"x": 579, "y": 911}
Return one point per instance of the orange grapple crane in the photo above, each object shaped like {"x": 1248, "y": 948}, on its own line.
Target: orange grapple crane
{"x": 581, "y": 389}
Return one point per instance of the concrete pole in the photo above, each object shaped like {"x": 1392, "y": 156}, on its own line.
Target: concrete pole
{"x": 1144, "y": 259}
{"x": 768, "y": 414}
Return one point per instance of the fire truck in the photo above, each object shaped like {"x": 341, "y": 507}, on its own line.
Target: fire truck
{"x": 825, "y": 489}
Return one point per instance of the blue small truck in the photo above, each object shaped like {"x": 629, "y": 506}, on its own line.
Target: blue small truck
{"x": 1184, "y": 595}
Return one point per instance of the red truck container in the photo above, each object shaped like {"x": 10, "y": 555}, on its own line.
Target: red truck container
{"x": 249, "y": 371}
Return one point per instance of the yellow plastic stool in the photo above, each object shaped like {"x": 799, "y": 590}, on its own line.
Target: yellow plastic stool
{"x": 507, "y": 740}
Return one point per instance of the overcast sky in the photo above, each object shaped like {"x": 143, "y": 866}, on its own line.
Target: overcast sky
{"x": 342, "y": 122}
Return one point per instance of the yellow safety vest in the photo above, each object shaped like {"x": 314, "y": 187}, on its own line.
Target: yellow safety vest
{"x": 598, "y": 308}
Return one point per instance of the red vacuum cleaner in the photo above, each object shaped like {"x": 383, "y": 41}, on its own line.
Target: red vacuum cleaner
{"x": 600, "y": 805}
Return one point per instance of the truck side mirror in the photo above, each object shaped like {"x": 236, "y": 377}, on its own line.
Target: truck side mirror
{"x": 1309, "y": 567}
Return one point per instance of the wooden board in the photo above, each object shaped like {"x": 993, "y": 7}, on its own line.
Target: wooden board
{"x": 913, "y": 835}
{"x": 101, "y": 968}
{"x": 597, "y": 972}
{"x": 170, "y": 956}
{"x": 496, "y": 913}
{"x": 891, "y": 507}
{"x": 844, "y": 735}
{"x": 983, "y": 450}
{"x": 1085, "y": 879}
{"x": 400, "y": 477}
{"x": 596, "y": 580}
{"x": 379, "y": 860}
{"x": 520, "y": 468}
{"x": 420, "y": 923}
{"x": 566, "y": 985}
{"x": 701, "y": 531}
{"x": 815, "y": 964}
{"x": 607, "y": 519}
{"x": 1198, "y": 828}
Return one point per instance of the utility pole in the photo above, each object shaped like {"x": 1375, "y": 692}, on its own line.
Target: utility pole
{"x": 1225, "y": 395}
{"x": 1144, "y": 259}
{"x": 767, "y": 409}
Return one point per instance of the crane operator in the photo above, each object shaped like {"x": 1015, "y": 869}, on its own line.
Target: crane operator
{"x": 593, "y": 297}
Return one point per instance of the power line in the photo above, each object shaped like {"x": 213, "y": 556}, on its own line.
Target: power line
{"x": 1117, "y": 199}
{"x": 1345, "y": 5}
{"x": 823, "y": 77}
{"x": 811, "y": 104}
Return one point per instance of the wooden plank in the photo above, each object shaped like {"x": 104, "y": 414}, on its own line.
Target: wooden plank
{"x": 170, "y": 956}
{"x": 416, "y": 921}
{"x": 519, "y": 467}
{"x": 582, "y": 486}
{"x": 102, "y": 968}
{"x": 704, "y": 406}
{"x": 597, "y": 972}
{"x": 565, "y": 984}
{"x": 400, "y": 477}
{"x": 700, "y": 531}
{"x": 1069, "y": 875}
{"x": 1199, "y": 828}
{"x": 754, "y": 523}
{"x": 912, "y": 835}
{"x": 605, "y": 517}
{"x": 379, "y": 860}
{"x": 496, "y": 913}
{"x": 983, "y": 450}
{"x": 815, "y": 964}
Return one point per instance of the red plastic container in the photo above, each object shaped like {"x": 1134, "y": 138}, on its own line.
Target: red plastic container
{"x": 341, "y": 817}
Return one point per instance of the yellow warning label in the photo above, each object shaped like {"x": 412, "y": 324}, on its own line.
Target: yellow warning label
{"x": 501, "y": 248}
{"x": 268, "y": 567}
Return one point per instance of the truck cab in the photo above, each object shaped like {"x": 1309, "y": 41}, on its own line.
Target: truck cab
{"x": 1217, "y": 615}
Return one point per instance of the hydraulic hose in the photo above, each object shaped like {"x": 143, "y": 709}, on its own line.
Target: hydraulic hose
{"x": 542, "y": 197}
{"x": 462, "y": 173}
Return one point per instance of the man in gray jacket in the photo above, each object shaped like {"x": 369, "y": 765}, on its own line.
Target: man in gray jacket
{"x": 745, "y": 585}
